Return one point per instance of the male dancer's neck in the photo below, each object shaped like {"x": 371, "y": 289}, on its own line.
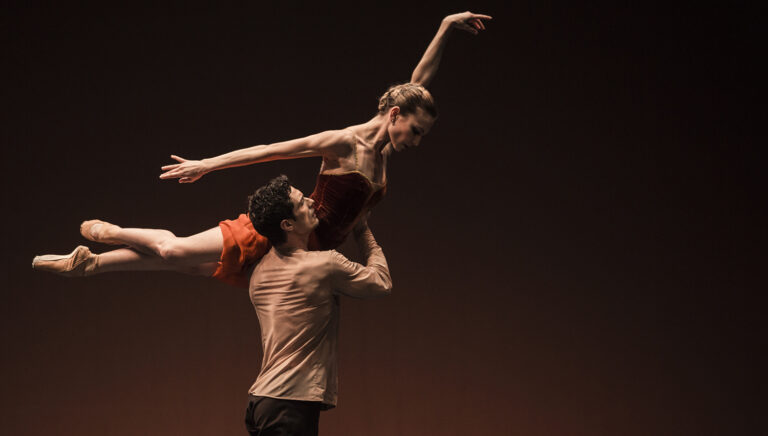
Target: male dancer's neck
{"x": 293, "y": 243}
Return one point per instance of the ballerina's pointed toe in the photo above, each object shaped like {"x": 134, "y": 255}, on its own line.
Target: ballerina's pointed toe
{"x": 94, "y": 230}
{"x": 79, "y": 263}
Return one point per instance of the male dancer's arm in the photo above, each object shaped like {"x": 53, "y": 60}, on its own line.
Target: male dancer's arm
{"x": 362, "y": 281}
{"x": 427, "y": 68}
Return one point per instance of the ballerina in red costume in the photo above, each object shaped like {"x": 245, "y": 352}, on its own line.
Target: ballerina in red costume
{"x": 352, "y": 180}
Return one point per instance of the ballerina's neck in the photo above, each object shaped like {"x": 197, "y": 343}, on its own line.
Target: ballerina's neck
{"x": 374, "y": 132}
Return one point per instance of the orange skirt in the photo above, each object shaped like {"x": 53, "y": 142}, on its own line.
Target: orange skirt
{"x": 243, "y": 247}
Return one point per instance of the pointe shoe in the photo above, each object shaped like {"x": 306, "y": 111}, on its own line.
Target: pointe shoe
{"x": 79, "y": 263}
{"x": 94, "y": 230}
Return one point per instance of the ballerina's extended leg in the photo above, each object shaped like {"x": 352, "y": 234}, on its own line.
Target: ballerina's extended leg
{"x": 191, "y": 251}
{"x": 81, "y": 262}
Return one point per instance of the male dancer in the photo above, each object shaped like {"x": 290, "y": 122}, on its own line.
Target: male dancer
{"x": 296, "y": 296}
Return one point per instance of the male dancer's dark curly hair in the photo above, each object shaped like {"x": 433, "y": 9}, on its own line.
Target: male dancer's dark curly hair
{"x": 269, "y": 206}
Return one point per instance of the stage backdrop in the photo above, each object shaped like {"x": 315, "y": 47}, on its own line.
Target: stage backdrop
{"x": 574, "y": 246}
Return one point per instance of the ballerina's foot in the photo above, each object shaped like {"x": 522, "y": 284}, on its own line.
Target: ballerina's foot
{"x": 99, "y": 231}
{"x": 79, "y": 263}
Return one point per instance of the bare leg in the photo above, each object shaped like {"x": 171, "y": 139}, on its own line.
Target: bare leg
{"x": 127, "y": 259}
{"x": 151, "y": 250}
{"x": 190, "y": 251}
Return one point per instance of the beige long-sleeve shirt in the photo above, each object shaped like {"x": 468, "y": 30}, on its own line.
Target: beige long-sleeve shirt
{"x": 296, "y": 297}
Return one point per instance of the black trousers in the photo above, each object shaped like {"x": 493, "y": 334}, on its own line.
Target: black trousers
{"x": 273, "y": 417}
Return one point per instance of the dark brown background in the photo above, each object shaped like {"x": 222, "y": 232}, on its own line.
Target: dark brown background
{"x": 575, "y": 246}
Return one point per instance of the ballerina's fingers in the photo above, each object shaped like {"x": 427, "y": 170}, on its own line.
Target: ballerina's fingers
{"x": 172, "y": 170}
{"x": 482, "y": 16}
{"x": 170, "y": 174}
{"x": 477, "y": 20}
{"x": 466, "y": 27}
{"x": 181, "y": 160}
{"x": 187, "y": 178}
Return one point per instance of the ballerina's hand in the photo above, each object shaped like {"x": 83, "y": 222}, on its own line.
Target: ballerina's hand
{"x": 187, "y": 171}
{"x": 467, "y": 21}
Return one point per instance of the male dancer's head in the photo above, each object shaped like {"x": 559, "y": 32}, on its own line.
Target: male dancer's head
{"x": 282, "y": 213}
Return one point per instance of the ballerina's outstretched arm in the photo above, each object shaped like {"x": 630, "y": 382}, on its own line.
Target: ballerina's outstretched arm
{"x": 427, "y": 68}
{"x": 327, "y": 144}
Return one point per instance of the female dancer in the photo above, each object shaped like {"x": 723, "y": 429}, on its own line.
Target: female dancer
{"x": 352, "y": 180}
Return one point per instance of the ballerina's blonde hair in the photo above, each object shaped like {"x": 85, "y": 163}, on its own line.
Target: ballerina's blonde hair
{"x": 409, "y": 97}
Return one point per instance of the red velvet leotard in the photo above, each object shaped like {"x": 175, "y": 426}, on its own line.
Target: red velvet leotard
{"x": 340, "y": 199}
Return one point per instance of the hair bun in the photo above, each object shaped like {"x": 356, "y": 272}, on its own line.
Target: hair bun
{"x": 408, "y": 97}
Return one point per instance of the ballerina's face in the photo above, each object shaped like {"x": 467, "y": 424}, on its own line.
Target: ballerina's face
{"x": 407, "y": 129}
